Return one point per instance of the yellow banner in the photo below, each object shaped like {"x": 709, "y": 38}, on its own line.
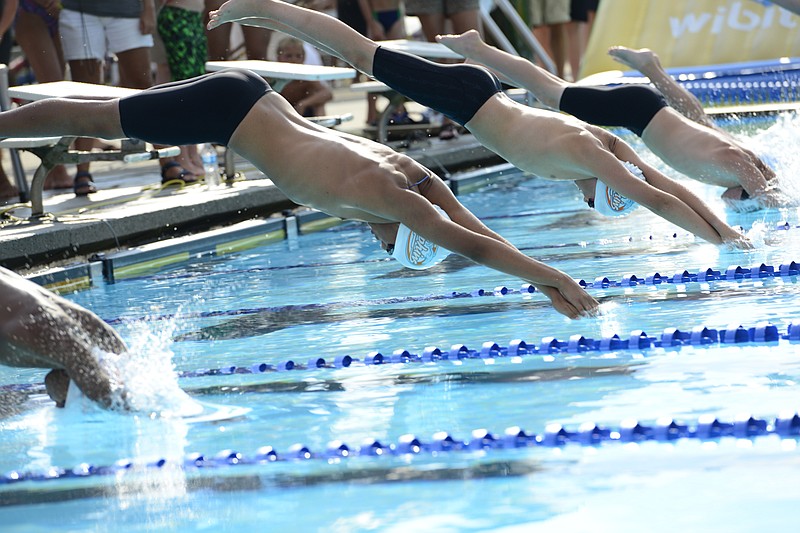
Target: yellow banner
{"x": 692, "y": 32}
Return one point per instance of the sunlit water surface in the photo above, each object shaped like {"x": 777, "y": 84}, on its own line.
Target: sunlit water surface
{"x": 336, "y": 293}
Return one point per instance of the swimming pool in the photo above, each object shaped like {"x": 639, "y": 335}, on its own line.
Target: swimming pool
{"x": 248, "y": 330}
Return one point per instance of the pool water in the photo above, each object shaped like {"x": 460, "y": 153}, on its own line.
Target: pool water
{"x": 335, "y": 293}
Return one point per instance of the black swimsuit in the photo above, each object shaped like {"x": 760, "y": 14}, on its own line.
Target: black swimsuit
{"x": 457, "y": 91}
{"x": 627, "y": 106}
{"x": 204, "y": 109}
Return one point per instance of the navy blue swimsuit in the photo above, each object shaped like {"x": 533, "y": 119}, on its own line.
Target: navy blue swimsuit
{"x": 457, "y": 90}
{"x": 626, "y": 106}
{"x": 207, "y": 108}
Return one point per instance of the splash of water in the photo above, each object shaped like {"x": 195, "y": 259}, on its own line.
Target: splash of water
{"x": 143, "y": 378}
{"x": 777, "y": 146}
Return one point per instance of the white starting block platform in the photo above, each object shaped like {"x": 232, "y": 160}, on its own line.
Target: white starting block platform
{"x": 421, "y": 48}
{"x": 282, "y": 73}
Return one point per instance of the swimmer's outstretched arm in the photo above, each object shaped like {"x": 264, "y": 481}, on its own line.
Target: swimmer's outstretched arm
{"x": 39, "y": 329}
{"x": 441, "y": 195}
{"x": 680, "y": 205}
{"x": 476, "y": 242}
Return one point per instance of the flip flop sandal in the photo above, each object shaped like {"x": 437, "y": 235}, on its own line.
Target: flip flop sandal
{"x": 184, "y": 175}
{"x": 83, "y": 185}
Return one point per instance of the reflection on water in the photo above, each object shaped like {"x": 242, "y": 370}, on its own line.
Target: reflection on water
{"x": 334, "y": 293}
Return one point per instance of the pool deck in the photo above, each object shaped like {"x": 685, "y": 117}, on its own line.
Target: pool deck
{"x": 132, "y": 209}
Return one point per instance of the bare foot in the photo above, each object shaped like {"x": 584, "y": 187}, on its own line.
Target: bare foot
{"x": 194, "y": 169}
{"x": 230, "y": 11}
{"x": 462, "y": 44}
{"x": 58, "y": 178}
{"x": 641, "y": 60}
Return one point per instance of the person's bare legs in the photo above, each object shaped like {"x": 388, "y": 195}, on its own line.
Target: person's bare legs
{"x": 42, "y": 52}
{"x": 134, "y": 68}
{"x": 323, "y": 31}
{"x": 7, "y": 189}
{"x": 85, "y": 71}
{"x": 553, "y": 40}
{"x": 646, "y": 61}
{"x": 466, "y": 20}
{"x": 547, "y": 87}
{"x": 576, "y": 44}
{"x": 44, "y": 56}
{"x": 432, "y": 24}
{"x": 218, "y": 39}
{"x": 461, "y": 22}
{"x": 256, "y": 41}
{"x": 558, "y": 40}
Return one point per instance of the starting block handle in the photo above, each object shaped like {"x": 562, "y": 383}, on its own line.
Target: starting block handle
{"x": 171, "y": 151}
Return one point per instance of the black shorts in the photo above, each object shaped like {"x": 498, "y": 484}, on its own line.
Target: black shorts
{"x": 455, "y": 90}
{"x": 626, "y": 106}
{"x": 207, "y": 108}
{"x": 579, "y": 9}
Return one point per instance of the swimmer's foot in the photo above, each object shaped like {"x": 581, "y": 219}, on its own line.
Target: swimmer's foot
{"x": 190, "y": 165}
{"x": 464, "y": 44}
{"x": 642, "y": 60}
{"x": 230, "y": 11}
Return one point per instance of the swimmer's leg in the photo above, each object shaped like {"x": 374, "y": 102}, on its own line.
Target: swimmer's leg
{"x": 431, "y": 84}
{"x": 53, "y": 117}
{"x": 321, "y": 30}
{"x": 646, "y": 61}
{"x": 544, "y": 85}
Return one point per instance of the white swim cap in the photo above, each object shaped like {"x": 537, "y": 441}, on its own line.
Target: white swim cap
{"x": 609, "y": 202}
{"x": 415, "y": 251}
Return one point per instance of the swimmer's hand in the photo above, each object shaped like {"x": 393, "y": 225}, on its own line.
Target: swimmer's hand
{"x": 736, "y": 239}
{"x": 742, "y": 243}
{"x": 571, "y": 300}
{"x": 56, "y": 383}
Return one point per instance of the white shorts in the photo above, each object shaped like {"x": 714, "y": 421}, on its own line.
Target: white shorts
{"x": 545, "y": 12}
{"x": 85, "y": 36}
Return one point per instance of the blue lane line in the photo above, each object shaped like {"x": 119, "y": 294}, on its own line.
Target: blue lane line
{"x": 707, "y": 428}
{"x": 735, "y": 273}
{"x": 638, "y": 340}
